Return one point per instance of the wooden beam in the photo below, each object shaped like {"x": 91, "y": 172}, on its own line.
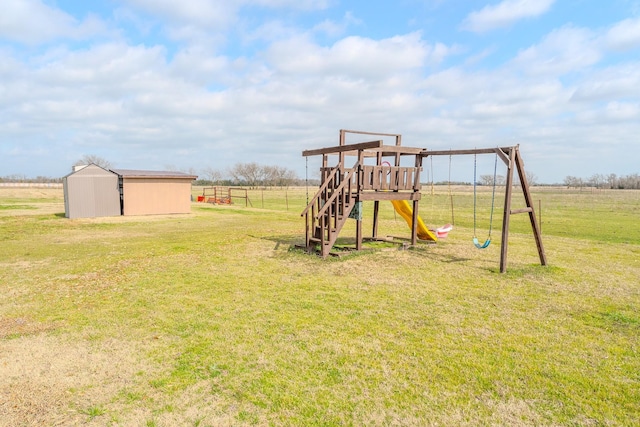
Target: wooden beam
{"x": 389, "y": 195}
{"x": 390, "y": 150}
{"x": 523, "y": 210}
{"x": 359, "y": 132}
{"x": 364, "y": 153}
{"x": 387, "y": 151}
{"x": 501, "y": 151}
{"x": 343, "y": 148}
{"x": 504, "y": 156}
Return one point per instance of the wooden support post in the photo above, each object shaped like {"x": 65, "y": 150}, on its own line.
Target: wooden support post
{"x": 537, "y": 234}
{"x": 414, "y": 223}
{"x": 504, "y": 243}
{"x": 359, "y": 234}
{"x": 376, "y": 205}
{"x": 416, "y": 189}
{"x": 356, "y": 199}
{"x": 376, "y": 208}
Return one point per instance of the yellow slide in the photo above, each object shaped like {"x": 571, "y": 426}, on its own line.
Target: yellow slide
{"x": 406, "y": 211}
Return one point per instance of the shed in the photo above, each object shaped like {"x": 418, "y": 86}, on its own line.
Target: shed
{"x": 154, "y": 192}
{"x": 91, "y": 191}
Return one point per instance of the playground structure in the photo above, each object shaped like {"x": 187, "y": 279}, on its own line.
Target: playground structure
{"x": 223, "y": 195}
{"x": 378, "y": 175}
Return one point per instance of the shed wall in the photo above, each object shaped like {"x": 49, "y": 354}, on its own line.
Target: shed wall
{"x": 91, "y": 192}
{"x": 149, "y": 196}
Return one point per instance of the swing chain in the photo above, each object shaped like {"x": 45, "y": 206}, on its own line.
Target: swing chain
{"x": 453, "y": 221}
{"x": 493, "y": 194}
{"x": 493, "y": 197}
{"x": 306, "y": 178}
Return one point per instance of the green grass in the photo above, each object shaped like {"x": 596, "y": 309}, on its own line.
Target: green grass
{"x": 16, "y": 207}
{"x": 230, "y": 325}
{"x": 93, "y": 411}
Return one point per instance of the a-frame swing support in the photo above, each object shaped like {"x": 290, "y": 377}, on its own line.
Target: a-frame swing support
{"x": 513, "y": 160}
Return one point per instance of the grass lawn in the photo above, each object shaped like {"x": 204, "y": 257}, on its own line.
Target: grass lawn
{"x": 213, "y": 318}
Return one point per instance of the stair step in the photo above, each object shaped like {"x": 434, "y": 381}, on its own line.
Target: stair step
{"x": 318, "y": 241}
{"x": 318, "y": 231}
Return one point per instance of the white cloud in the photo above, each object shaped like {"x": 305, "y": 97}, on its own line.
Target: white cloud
{"x": 565, "y": 50}
{"x": 355, "y": 56}
{"x": 274, "y": 30}
{"x": 199, "y": 67}
{"x": 199, "y": 13}
{"x": 623, "y": 111}
{"x": 198, "y": 19}
{"x": 148, "y": 105}
{"x": 109, "y": 67}
{"x": 294, "y": 4}
{"x": 625, "y": 35}
{"x": 504, "y": 14}
{"x": 615, "y": 82}
{"x": 33, "y": 22}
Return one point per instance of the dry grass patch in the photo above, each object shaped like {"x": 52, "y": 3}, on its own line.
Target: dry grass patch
{"x": 20, "y": 326}
{"x": 51, "y": 380}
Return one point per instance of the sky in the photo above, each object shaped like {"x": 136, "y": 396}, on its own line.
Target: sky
{"x": 193, "y": 85}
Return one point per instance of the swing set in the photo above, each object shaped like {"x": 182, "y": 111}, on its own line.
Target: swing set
{"x": 343, "y": 189}
{"x": 512, "y": 159}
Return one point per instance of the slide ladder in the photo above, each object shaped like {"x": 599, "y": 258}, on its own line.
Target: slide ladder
{"x": 329, "y": 209}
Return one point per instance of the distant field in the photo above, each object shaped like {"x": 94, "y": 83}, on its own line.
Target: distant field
{"x": 213, "y": 318}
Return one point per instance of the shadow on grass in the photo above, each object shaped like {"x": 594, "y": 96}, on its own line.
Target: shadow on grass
{"x": 288, "y": 240}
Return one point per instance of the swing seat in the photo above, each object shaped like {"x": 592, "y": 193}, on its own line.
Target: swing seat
{"x": 442, "y": 232}
{"x": 481, "y": 246}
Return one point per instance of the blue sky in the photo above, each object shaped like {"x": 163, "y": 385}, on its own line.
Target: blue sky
{"x": 197, "y": 84}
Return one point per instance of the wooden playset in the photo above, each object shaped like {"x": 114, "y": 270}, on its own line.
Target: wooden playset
{"x": 392, "y": 173}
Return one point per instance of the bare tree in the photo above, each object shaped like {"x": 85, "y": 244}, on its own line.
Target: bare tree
{"x": 532, "y": 178}
{"x": 488, "y": 180}
{"x": 572, "y": 181}
{"x": 252, "y": 174}
{"x": 278, "y": 175}
{"x": 88, "y": 159}
{"x": 630, "y": 181}
{"x": 213, "y": 175}
{"x": 596, "y": 180}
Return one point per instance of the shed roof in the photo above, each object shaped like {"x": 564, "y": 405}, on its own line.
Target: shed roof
{"x": 134, "y": 173}
{"x": 90, "y": 169}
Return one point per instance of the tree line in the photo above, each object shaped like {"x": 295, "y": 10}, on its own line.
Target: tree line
{"x": 255, "y": 175}
{"x": 610, "y": 181}
{"x": 252, "y": 175}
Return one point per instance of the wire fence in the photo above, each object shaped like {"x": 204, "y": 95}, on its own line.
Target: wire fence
{"x": 31, "y": 184}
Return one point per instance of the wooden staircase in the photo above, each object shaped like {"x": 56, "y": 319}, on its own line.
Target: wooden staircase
{"x": 328, "y": 211}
